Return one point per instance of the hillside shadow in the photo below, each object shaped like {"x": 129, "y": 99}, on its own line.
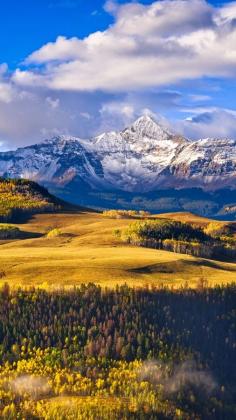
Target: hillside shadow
{"x": 211, "y": 264}
{"x": 167, "y": 268}
{"x": 22, "y": 235}
{"x": 177, "y": 266}
{"x": 29, "y": 235}
{"x": 24, "y": 218}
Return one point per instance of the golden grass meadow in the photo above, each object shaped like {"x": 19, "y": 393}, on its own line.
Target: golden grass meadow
{"x": 87, "y": 250}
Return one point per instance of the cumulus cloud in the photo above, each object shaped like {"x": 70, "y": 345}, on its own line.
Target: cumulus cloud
{"x": 62, "y": 49}
{"x": 155, "y": 45}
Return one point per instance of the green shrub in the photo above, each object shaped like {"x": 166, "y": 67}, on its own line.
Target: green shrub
{"x": 54, "y": 233}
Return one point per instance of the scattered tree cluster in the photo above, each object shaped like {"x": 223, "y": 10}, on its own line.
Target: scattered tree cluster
{"x": 166, "y": 229}
{"x": 179, "y": 237}
{"x": 126, "y": 214}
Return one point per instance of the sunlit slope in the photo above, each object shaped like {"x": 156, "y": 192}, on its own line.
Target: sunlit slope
{"x": 185, "y": 217}
{"x": 88, "y": 251}
{"x": 20, "y": 198}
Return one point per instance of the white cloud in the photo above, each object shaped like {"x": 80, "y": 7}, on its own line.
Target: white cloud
{"x": 54, "y": 103}
{"x": 115, "y": 115}
{"x": 27, "y": 117}
{"x": 227, "y": 13}
{"x": 6, "y": 92}
{"x": 147, "y": 46}
{"x": 209, "y": 122}
{"x": 111, "y": 7}
{"x": 62, "y": 49}
{"x": 199, "y": 98}
{"x": 85, "y": 115}
{"x": 27, "y": 78}
{"x": 121, "y": 112}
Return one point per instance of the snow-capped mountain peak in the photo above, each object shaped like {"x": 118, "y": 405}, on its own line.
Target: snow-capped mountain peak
{"x": 146, "y": 126}
{"x": 133, "y": 159}
{"x": 144, "y": 156}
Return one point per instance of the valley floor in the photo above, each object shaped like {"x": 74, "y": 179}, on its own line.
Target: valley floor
{"x": 88, "y": 251}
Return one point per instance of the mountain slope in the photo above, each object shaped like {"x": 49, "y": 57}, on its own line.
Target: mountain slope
{"x": 58, "y": 160}
{"x": 145, "y": 158}
{"x": 209, "y": 163}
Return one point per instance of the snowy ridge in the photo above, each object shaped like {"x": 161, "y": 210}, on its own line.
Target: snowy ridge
{"x": 143, "y": 157}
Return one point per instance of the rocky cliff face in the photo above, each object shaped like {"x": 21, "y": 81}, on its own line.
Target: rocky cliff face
{"x": 144, "y": 157}
{"x": 209, "y": 163}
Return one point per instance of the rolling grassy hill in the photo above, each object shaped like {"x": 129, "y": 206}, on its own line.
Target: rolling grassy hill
{"x": 83, "y": 248}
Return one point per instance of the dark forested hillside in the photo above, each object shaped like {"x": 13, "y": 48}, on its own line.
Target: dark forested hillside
{"x": 218, "y": 204}
{"x": 171, "y": 353}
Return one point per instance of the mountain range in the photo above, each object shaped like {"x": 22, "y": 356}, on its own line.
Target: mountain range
{"x": 144, "y": 159}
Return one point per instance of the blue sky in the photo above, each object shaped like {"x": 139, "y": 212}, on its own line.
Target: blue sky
{"x": 26, "y": 25}
{"x": 80, "y": 67}
{"x": 40, "y": 21}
